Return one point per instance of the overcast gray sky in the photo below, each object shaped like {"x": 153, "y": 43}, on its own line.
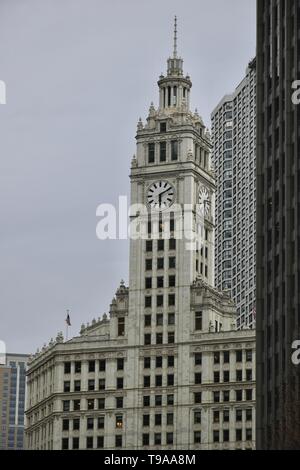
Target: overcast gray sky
{"x": 79, "y": 73}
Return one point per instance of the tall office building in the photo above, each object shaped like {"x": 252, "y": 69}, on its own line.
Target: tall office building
{"x": 278, "y": 211}
{"x": 234, "y": 160}
{"x": 12, "y": 401}
{"x": 167, "y": 370}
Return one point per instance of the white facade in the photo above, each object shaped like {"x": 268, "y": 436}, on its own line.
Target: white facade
{"x": 167, "y": 370}
{"x": 234, "y": 158}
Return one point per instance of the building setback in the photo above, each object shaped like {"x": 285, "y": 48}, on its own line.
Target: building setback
{"x": 234, "y": 160}
{"x": 167, "y": 369}
{"x": 278, "y": 210}
{"x": 12, "y": 401}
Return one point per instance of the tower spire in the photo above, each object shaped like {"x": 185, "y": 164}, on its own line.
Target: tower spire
{"x": 175, "y": 38}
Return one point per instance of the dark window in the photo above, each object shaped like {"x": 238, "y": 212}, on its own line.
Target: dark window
{"x": 146, "y": 439}
{"x": 102, "y": 365}
{"x": 238, "y": 434}
{"x": 90, "y": 423}
{"x": 157, "y": 439}
{"x": 66, "y": 405}
{"x": 100, "y": 442}
{"x": 100, "y": 422}
{"x": 147, "y": 362}
{"x": 239, "y": 395}
{"x": 226, "y": 395}
{"x": 216, "y": 436}
{"x": 77, "y": 367}
{"x": 249, "y": 374}
{"x": 226, "y": 416}
{"x": 160, "y": 245}
{"x": 91, "y": 366}
{"x": 147, "y": 338}
{"x": 158, "y": 362}
{"x": 159, "y": 319}
{"x": 226, "y": 376}
{"x": 216, "y": 358}
{"x": 148, "y": 301}
{"x": 160, "y": 282}
{"x": 158, "y": 400}
{"x": 197, "y": 417}
{"x": 170, "y": 400}
{"x": 101, "y": 384}
{"x": 172, "y": 262}
{"x": 249, "y": 394}
{"x": 226, "y": 357}
{"x": 91, "y": 404}
{"x": 226, "y": 435}
{"x": 238, "y": 415}
{"x": 119, "y": 421}
{"x": 119, "y": 402}
{"x": 159, "y": 301}
{"x": 120, "y": 363}
{"x": 171, "y": 337}
{"x": 216, "y": 417}
{"x": 249, "y": 414}
{"x": 198, "y": 359}
{"x": 197, "y": 437}
{"x": 172, "y": 244}
{"x": 91, "y": 384}
{"x": 170, "y": 438}
{"x": 158, "y": 380}
{"x": 198, "y": 321}
{"x": 157, "y": 420}
{"x": 146, "y": 420}
{"x": 151, "y": 153}
{"x": 118, "y": 441}
{"x": 148, "y": 264}
{"x": 170, "y": 380}
{"x": 197, "y": 397}
{"x": 148, "y": 283}
{"x": 147, "y": 381}
{"x": 101, "y": 403}
{"x": 75, "y": 443}
{"x": 162, "y": 151}
{"x": 239, "y": 355}
{"x": 89, "y": 442}
{"x": 174, "y": 150}
{"x": 171, "y": 299}
{"x": 65, "y": 443}
{"x": 249, "y": 355}
{"x": 171, "y": 319}
{"x": 67, "y": 386}
{"x": 160, "y": 263}
{"x": 248, "y": 434}
{"x": 170, "y": 419}
{"x": 67, "y": 367}
{"x": 171, "y": 361}
{"x": 149, "y": 246}
{"x": 198, "y": 378}
{"x": 146, "y": 399}
{"x": 147, "y": 320}
{"x": 239, "y": 375}
{"x": 216, "y": 377}
{"x": 76, "y": 424}
{"x": 121, "y": 326}
{"x": 172, "y": 281}
{"x": 159, "y": 338}
{"x": 216, "y": 396}
{"x": 120, "y": 382}
{"x": 65, "y": 425}
{"x": 163, "y": 127}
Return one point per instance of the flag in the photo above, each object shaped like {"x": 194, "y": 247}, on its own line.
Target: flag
{"x": 68, "y": 320}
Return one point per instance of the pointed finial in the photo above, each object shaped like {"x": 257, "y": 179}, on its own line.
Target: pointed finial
{"x": 175, "y": 38}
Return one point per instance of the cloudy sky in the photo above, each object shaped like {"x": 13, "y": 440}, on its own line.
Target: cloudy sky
{"x": 79, "y": 73}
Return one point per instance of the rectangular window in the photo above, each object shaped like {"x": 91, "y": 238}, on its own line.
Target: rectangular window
{"x": 216, "y": 397}
{"x": 148, "y": 264}
{"x": 75, "y": 443}
{"x": 91, "y": 366}
{"x": 146, "y": 439}
{"x": 119, "y": 402}
{"x": 169, "y": 438}
{"x": 89, "y": 442}
{"x": 239, "y": 355}
{"x": 67, "y": 367}
{"x": 147, "y": 362}
{"x": 148, "y": 301}
{"x": 100, "y": 442}
{"x": 249, "y": 414}
{"x": 226, "y": 376}
{"x": 160, "y": 263}
{"x": 65, "y": 443}
{"x": 66, "y": 405}
{"x": 119, "y": 421}
{"x": 249, "y": 395}
{"x": 101, "y": 403}
{"x": 157, "y": 439}
{"x": 120, "y": 363}
{"x": 163, "y": 127}
{"x": 160, "y": 282}
{"x": 77, "y": 367}
{"x": 163, "y": 151}
{"x": 147, "y": 339}
{"x": 172, "y": 281}
{"x": 90, "y": 423}
{"x": 76, "y": 424}
{"x": 121, "y": 326}
{"x": 171, "y": 319}
{"x": 65, "y": 425}
{"x": 239, "y": 375}
{"x": 100, "y": 422}
{"x": 170, "y": 400}
{"x": 239, "y": 395}
{"x": 197, "y": 417}
{"x": 151, "y": 153}
{"x": 198, "y": 359}
{"x": 159, "y": 338}
{"x": 149, "y": 246}
{"x": 171, "y": 337}
{"x": 171, "y": 300}
{"x": 216, "y": 358}
{"x": 158, "y": 400}
{"x": 158, "y": 362}
{"x": 160, "y": 245}
{"x": 147, "y": 381}
{"x": 147, "y": 321}
{"x": 171, "y": 361}
{"x": 146, "y": 421}
{"x": 157, "y": 420}
{"x": 226, "y": 395}
{"x": 170, "y": 419}
{"x": 216, "y": 436}
{"x": 197, "y": 397}
{"x": 90, "y": 404}
{"x": 172, "y": 262}
{"x": 159, "y": 319}
{"x": 158, "y": 380}
{"x": 120, "y": 382}
{"x": 226, "y": 416}
{"x": 238, "y": 415}
{"x": 67, "y": 386}
{"x": 197, "y": 437}
{"x": 198, "y": 321}
{"x": 148, "y": 283}
{"x": 172, "y": 244}
{"x": 216, "y": 416}
{"x": 249, "y": 375}
{"x": 118, "y": 441}
{"x": 174, "y": 150}
{"x": 170, "y": 380}
{"x": 101, "y": 384}
{"x": 238, "y": 435}
{"x": 146, "y": 399}
{"x": 226, "y": 435}
{"x": 102, "y": 365}
{"x": 198, "y": 378}
{"x": 159, "y": 301}
{"x": 91, "y": 384}
{"x": 216, "y": 377}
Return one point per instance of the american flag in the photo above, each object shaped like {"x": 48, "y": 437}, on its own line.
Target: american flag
{"x": 68, "y": 319}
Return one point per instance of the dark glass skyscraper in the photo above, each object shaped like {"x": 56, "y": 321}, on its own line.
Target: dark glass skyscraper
{"x": 278, "y": 218}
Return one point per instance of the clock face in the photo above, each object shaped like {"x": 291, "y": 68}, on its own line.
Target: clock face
{"x": 160, "y": 195}
{"x": 204, "y": 201}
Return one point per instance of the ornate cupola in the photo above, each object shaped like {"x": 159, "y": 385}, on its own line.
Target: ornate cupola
{"x": 174, "y": 89}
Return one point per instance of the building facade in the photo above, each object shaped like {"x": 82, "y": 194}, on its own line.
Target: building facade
{"x": 167, "y": 369}
{"x": 12, "y": 401}
{"x": 234, "y": 160}
{"x": 278, "y": 203}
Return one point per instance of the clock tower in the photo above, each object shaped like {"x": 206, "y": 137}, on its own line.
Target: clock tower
{"x": 171, "y": 178}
